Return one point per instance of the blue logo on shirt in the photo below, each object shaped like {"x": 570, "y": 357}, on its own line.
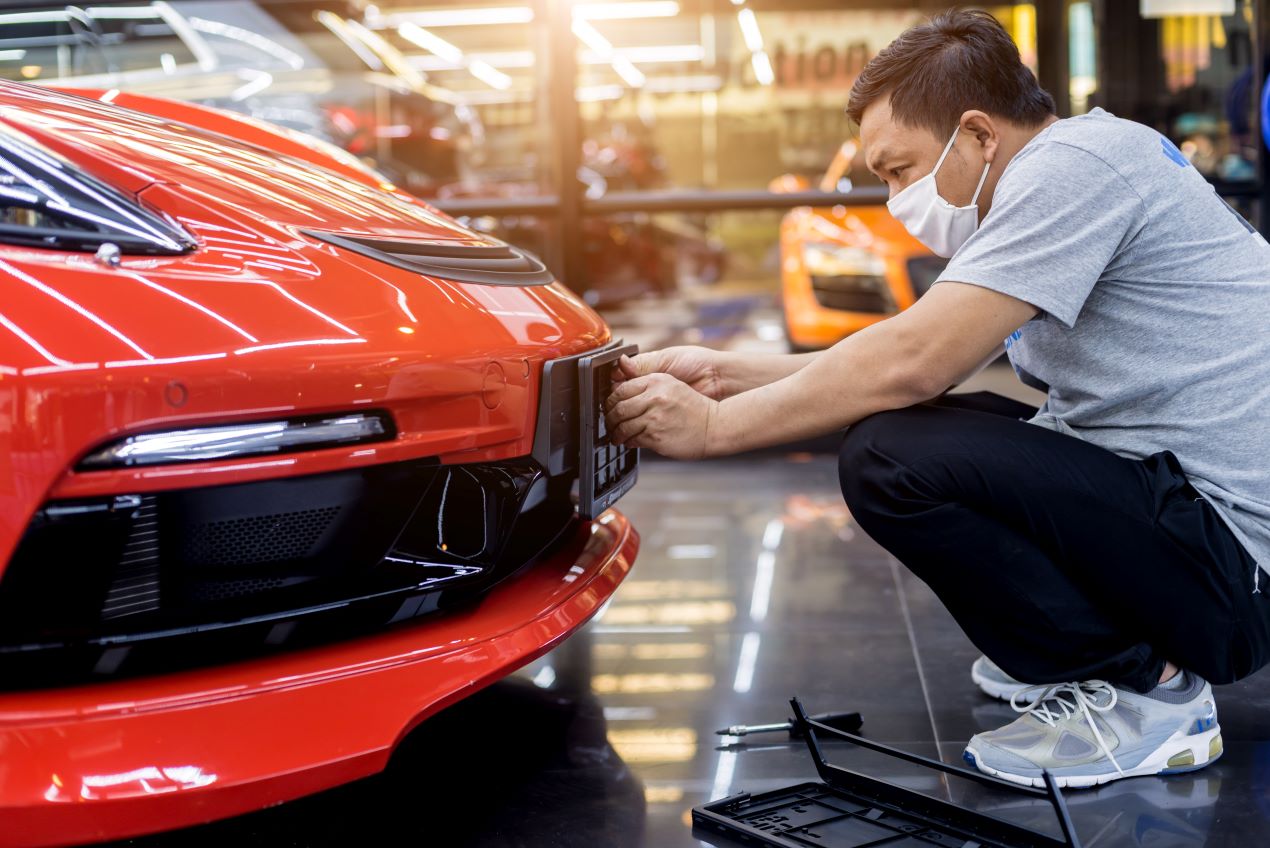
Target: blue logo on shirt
{"x": 1171, "y": 151}
{"x": 1014, "y": 337}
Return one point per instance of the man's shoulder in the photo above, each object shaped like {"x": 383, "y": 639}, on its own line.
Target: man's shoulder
{"x": 1116, "y": 141}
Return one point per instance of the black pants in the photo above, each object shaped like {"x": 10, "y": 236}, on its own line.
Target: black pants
{"x": 1061, "y": 560}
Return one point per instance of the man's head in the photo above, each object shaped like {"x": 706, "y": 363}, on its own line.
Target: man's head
{"x": 961, "y": 73}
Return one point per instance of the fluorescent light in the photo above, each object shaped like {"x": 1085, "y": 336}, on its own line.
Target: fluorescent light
{"x": 486, "y": 73}
{"x": 11, "y": 55}
{"x": 592, "y": 38}
{"x": 630, "y": 74}
{"x": 593, "y": 93}
{"x": 749, "y": 29}
{"x": 454, "y": 17}
{"x": 663, "y": 53}
{"x": 681, "y": 85}
{"x": 420, "y": 37}
{"x": 762, "y": 68}
{"x": 626, "y": 11}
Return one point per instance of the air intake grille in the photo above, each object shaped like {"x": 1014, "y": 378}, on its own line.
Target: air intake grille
{"x": 496, "y": 264}
{"x": 260, "y": 538}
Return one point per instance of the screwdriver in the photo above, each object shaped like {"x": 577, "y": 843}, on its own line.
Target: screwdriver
{"x": 849, "y": 722}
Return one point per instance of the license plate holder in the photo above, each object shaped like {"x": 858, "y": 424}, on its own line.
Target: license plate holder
{"x": 606, "y": 471}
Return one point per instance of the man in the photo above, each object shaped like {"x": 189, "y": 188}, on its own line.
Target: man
{"x": 1107, "y": 546}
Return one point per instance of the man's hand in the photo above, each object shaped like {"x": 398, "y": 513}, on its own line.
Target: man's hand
{"x": 660, "y": 412}
{"x": 698, "y": 367}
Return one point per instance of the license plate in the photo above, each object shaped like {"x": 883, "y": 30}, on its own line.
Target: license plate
{"x": 607, "y": 471}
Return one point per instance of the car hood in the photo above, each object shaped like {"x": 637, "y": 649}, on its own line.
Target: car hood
{"x": 133, "y": 150}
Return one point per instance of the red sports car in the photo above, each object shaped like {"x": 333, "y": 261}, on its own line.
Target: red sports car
{"x": 286, "y": 466}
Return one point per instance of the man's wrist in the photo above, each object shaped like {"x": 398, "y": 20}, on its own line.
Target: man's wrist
{"x": 717, "y": 441}
{"x": 725, "y": 372}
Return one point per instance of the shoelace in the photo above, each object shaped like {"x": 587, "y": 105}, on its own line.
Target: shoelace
{"x": 1059, "y": 701}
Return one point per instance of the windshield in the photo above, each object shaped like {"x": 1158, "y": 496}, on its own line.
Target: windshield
{"x": 46, "y": 202}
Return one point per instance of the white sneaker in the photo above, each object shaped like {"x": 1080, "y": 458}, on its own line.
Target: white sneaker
{"x": 1093, "y": 732}
{"x": 989, "y": 677}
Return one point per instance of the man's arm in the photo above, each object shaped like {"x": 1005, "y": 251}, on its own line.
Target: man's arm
{"x": 916, "y": 355}
{"x": 716, "y": 374}
{"x": 937, "y": 343}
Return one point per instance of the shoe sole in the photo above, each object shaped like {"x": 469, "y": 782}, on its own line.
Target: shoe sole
{"x": 1187, "y": 752}
{"x": 994, "y": 688}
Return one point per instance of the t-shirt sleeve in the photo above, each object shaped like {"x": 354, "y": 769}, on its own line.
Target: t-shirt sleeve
{"x": 1059, "y": 217}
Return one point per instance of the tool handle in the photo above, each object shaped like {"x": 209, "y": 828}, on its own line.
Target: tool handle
{"x": 850, "y": 722}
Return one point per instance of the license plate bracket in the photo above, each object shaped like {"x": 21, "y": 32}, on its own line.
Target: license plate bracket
{"x": 606, "y": 471}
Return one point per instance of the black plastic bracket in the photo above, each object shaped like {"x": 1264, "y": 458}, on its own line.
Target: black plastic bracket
{"x": 887, "y": 795}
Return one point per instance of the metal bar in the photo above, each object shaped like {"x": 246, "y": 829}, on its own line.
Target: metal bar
{"x": 1060, "y": 809}
{"x": 542, "y": 206}
{"x": 1052, "y": 61}
{"x": 718, "y": 201}
{"x": 566, "y": 124}
{"x": 902, "y": 799}
{"x": 663, "y": 201}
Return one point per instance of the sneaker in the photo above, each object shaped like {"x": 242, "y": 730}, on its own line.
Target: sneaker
{"x": 1089, "y": 733}
{"x": 989, "y": 677}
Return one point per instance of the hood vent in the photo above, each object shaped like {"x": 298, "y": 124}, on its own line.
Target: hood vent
{"x": 496, "y": 264}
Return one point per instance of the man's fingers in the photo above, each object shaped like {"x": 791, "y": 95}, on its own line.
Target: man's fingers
{"x": 628, "y": 409}
{"x": 626, "y": 390}
{"x": 627, "y": 430}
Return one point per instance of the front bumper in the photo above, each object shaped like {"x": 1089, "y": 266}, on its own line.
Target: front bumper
{"x": 130, "y": 757}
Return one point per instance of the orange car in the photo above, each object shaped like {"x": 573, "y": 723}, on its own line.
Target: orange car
{"x": 844, "y": 268}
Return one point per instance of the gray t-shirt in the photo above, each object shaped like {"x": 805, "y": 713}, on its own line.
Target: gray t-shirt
{"x": 1154, "y": 331}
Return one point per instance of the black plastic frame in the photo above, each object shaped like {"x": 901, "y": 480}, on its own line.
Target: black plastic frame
{"x": 851, "y": 786}
{"x": 591, "y": 501}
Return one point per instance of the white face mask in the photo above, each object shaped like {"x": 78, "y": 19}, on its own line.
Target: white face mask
{"x": 932, "y": 220}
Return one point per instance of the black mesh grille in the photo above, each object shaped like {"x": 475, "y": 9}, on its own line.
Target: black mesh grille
{"x": 261, "y": 538}
{"x": 193, "y": 577}
{"x": 222, "y": 590}
{"x": 494, "y": 264}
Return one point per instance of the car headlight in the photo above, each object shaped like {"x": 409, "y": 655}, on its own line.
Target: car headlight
{"x": 241, "y": 440}
{"x": 840, "y": 260}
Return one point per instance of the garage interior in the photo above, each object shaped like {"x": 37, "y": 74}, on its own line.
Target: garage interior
{"x": 672, "y": 162}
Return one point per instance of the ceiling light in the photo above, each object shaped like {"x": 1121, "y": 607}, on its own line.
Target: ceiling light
{"x": 592, "y": 38}
{"x": 593, "y": 93}
{"x": 420, "y": 37}
{"x": 487, "y": 74}
{"x": 749, "y": 29}
{"x": 762, "y": 68}
{"x": 632, "y": 75}
{"x": 454, "y": 17}
{"x": 626, "y": 11}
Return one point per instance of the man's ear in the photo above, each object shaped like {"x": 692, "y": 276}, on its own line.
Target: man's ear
{"x": 984, "y": 129}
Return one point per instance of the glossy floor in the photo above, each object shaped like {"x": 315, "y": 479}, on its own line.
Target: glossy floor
{"x": 753, "y": 585}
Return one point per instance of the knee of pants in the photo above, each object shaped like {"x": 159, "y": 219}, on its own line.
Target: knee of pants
{"x": 864, "y": 453}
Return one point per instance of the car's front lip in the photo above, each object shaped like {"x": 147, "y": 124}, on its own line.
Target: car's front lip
{"x": 120, "y": 759}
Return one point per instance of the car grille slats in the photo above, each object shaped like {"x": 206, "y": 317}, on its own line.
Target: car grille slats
{"x": 853, "y": 293}
{"x": 160, "y": 582}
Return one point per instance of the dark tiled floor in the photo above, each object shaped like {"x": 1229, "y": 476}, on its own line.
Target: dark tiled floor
{"x": 752, "y": 585}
